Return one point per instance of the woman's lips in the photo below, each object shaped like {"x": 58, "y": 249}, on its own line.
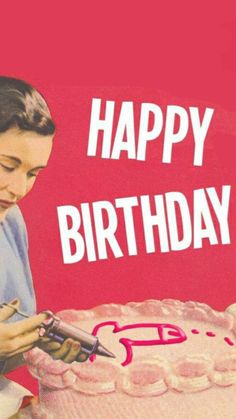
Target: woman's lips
{"x": 6, "y": 204}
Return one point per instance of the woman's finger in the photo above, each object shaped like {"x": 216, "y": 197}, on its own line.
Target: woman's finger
{"x": 82, "y": 357}
{"x": 64, "y": 349}
{"x": 48, "y": 345}
{"x": 73, "y": 352}
{"x": 20, "y": 342}
{"x": 27, "y": 325}
{"x": 21, "y": 350}
{"x": 6, "y": 312}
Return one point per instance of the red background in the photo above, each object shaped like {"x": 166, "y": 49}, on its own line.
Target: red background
{"x": 177, "y": 53}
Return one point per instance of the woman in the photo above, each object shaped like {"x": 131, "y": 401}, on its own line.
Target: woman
{"x": 26, "y": 138}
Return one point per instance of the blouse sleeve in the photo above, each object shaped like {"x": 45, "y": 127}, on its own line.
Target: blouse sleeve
{"x": 18, "y": 268}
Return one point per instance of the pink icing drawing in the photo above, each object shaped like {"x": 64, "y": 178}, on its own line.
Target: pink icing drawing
{"x": 210, "y": 334}
{"x": 176, "y": 334}
{"x": 229, "y": 341}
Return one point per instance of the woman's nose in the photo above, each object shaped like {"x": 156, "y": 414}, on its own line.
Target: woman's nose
{"x": 17, "y": 186}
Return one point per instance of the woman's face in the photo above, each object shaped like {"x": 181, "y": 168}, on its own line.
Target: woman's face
{"x": 23, "y": 154}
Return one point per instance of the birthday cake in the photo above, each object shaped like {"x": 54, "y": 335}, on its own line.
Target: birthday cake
{"x": 173, "y": 360}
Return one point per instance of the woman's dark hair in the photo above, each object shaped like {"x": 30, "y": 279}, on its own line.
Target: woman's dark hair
{"x": 23, "y": 107}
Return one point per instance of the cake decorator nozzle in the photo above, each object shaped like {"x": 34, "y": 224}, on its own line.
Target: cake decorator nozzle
{"x": 101, "y": 350}
{"x": 58, "y": 330}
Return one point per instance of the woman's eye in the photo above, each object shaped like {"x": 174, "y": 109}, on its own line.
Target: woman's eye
{"x": 32, "y": 175}
{"x": 7, "y": 168}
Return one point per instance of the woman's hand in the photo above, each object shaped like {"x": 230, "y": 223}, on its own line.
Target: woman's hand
{"x": 20, "y": 336}
{"x": 68, "y": 351}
